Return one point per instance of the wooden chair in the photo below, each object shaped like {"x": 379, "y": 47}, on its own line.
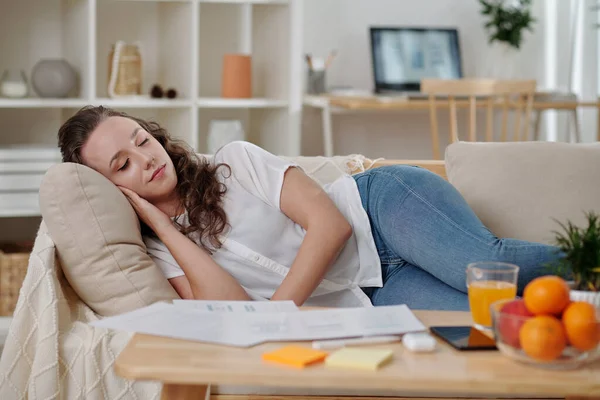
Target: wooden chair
{"x": 514, "y": 96}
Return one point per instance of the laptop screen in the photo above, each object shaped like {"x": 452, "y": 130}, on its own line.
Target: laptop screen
{"x": 401, "y": 57}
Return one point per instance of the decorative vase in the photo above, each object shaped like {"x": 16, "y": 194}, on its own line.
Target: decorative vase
{"x": 54, "y": 78}
{"x": 223, "y": 132}
{"x": 13, "y": 84}
{"x": 501, "y": 62}
{"x": 237, "y": 76}
{"x": 124, "y": 70}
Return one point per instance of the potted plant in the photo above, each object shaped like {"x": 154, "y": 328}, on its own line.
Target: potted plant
{"x": 506, "y": 22}
{"x": 581, "y": 261}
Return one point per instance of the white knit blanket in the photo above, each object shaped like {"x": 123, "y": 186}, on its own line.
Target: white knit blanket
{"x": 51, "y": 352}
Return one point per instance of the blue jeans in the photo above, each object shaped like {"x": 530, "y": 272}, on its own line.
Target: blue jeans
{"x": 426, "y": 235}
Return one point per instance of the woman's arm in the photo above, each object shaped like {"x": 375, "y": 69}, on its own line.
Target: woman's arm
{"x": 206, "y": 278}
{"x": 182, "y": 287}
{"x": 327, "y": 231}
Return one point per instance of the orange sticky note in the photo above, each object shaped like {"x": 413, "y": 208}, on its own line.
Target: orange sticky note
{"x": 295, "y": 356}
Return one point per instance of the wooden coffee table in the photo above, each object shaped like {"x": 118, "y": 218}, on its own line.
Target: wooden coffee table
{"x": 188, "y": 368}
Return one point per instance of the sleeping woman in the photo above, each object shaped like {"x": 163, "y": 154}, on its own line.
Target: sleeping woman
{"x": 246, "y": 224}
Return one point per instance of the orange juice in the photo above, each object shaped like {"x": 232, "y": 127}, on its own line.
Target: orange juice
{"x": 483, "y": 293}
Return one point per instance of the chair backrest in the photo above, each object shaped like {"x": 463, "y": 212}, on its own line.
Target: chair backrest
{"x": 513, "y": 95}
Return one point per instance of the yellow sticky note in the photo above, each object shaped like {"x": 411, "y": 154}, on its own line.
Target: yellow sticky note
{"x": 359, "y": 358}
{"x": 295, "y": 356}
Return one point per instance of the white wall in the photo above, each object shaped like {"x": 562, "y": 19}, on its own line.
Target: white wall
{"x": 585, "y": 82}
{"x": 343, "y": 25}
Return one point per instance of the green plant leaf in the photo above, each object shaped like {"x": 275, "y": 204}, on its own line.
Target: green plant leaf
{"x": 581, "y": 249}
{"x": 507, "y": 24}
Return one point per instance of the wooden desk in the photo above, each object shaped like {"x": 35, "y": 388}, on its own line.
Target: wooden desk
{"x": 344, "y": 104}
{"x": 188, "y": 368}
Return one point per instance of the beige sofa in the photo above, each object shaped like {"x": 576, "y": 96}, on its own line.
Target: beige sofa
{"x": 89, "y": 260}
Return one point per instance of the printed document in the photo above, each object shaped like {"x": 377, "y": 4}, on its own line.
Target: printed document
{"x": 238, "y": 306}
{"x": 245, "y": 328}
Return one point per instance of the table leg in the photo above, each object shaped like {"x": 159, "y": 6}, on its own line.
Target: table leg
{"x": 185, "y": 392}
{"x": 576, "y": 127}
{"x": 598, "y": 118}
{"x": 536, "y": 127}
{"x": 327, "y": 131}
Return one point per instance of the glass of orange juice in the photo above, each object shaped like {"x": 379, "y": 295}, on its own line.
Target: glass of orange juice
{"x": 488, "y": 282}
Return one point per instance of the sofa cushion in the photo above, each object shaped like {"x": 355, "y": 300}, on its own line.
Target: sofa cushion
{"x": 98, "y": 241}
{"x": 519, "y": 190}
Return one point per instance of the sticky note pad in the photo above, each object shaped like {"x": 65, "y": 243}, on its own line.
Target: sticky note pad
{"x": 295, "y": 356}
{"x": 359, "y": 358}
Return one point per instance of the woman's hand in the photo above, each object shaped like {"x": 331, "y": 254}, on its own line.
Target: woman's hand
{"x": 147, "y": 212}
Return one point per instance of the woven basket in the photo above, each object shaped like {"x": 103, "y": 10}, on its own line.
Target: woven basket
{"x": 14, "y": 259}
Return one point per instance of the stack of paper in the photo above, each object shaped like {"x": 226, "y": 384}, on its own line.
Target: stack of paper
{"x": 249, "y": 323}
{"x": 238, "y": 306}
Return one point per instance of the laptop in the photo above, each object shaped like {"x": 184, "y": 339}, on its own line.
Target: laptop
{"x": 402, "y": 56}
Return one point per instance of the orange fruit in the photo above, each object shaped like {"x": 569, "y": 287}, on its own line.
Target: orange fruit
{"x": 546, "y": 295}
{"x": 581, "y": 325}
{"x": 543, "y": 337}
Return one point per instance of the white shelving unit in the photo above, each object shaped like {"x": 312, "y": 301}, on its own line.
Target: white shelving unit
{"x": 215, "y": 102}
{"x": 182, "y": 45}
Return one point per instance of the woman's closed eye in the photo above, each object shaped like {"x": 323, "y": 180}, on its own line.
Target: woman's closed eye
{"x": 124, "y": 165}
{"x": 143, "y": 142}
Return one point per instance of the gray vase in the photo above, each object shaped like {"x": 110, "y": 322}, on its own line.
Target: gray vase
{"x": 53, "y": 78}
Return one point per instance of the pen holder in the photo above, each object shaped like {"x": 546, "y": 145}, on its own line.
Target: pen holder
{"x": 316, "y": 81}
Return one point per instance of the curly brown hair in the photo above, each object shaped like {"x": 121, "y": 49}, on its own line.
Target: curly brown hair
{"x": 200, "y": 191}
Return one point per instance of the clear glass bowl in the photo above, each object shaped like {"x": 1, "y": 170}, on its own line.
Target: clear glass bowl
{"x": 506, "y": 327}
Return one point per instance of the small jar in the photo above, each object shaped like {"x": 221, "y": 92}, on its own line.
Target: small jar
{"x": 13, "y": 84}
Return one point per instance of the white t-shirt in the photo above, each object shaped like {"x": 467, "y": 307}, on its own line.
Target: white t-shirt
{"x": 261, "y": 242}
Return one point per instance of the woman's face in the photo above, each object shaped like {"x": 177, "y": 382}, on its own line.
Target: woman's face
{"x": 131, "y": 157}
